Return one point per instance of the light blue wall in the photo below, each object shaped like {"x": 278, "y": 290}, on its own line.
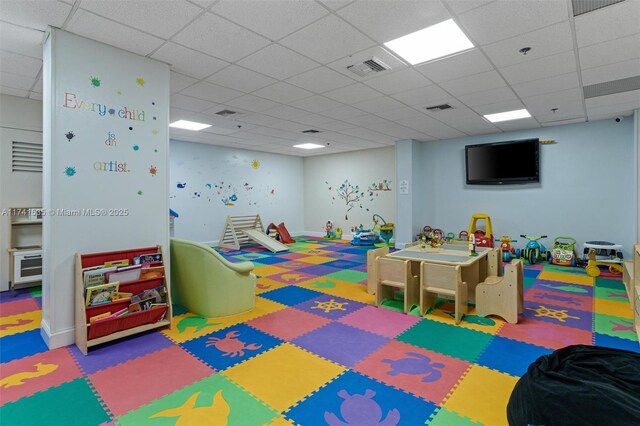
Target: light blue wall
{"x": 586, "y": 189}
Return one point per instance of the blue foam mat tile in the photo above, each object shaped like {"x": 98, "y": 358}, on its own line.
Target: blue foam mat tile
{"x": 21, "y": 345}
{"x": 511, "y": 356}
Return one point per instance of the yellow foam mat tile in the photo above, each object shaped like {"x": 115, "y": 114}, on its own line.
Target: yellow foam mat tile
{"x": 266, "y": 284}
{"x": 280, "y": 421}
{"x": 189, "y": 326}
{"x": 265, "y": 271}
{"x": 613, "y": 308}
{"x": 444, "y": 314}
{"x": 566, "y": 278}
{"x": 19, "y": 323}
{"x": 482, "y": 395}
{"x": 274, "y": 377}
{"x": 344, "y": 289}
{"x": 315, "y": 260}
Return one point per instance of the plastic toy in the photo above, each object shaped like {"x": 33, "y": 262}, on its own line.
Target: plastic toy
{"x": 534, "y": 250}
{"x": 593, "y": 264}
{"x": 563, "y": 252}
{"x": 483, "y": 238}
{"x": 338, "y": 233}
{"x": 386, "y": 229}
{"x": 330, "y": 233}
{"x": 604, "y": 250}
{"x": 364, "y": 237}
{"x": 472, "y": 245}
{"x": 508, "y": 251}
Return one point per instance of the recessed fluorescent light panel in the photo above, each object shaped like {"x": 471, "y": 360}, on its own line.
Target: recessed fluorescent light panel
{"x": 509, "y": 115}
{"x": 436, "y": 41}
{"x": 309, "y": 146}
{"x": 189, "y": 125}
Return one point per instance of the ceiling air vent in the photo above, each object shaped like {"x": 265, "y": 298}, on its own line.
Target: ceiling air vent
{"x": 311, "y": 131}
{"x": 439, "y": 107}
{"x": 26, "y": 157}
{"x": 611, "y": 87}
{"x": 370, "y": 66}
{"x": 226, "y": 112}
{"x": 583, "y": 6}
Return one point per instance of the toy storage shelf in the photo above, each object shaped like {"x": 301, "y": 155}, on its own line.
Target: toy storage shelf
{"x": 634, "y": 289}
{"x": 89, "y": 335}
{"x": 25, "y": 247}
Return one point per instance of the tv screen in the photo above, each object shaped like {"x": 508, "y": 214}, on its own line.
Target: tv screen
{"x": 503, "y": 163}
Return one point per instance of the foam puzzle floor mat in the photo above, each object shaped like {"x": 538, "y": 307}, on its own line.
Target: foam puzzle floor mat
{"x": 315, "y": 350}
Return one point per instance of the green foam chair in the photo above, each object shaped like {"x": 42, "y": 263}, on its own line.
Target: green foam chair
{"x": 207, "y": 284}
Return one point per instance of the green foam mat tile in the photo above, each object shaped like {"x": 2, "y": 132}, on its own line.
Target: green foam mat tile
{"x": 445, "y": 417}
{"x": 620, "y": 327}
{"x": 608, "y": 283}
{"x": 213, "y": 400}
{"x": 614, "y": 295}
{"x": 447, "y": 339}
{"x": 528, "y": 282}
{"x": 72, "y": 403}
{"x": 349, "y": 275}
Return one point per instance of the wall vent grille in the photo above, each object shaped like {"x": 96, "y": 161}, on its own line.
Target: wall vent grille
{"x": 26, "y": 157}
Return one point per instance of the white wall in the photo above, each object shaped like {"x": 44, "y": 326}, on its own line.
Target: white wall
{"x": 586, "y": 186}
{"x": 324, "y": 175}
{"x": 20, "y": 119}
{"x": 205, "y": 178}
{"x": 116, "y": 165}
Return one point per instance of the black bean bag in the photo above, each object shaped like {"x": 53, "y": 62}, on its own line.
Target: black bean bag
{"x": 579, "y": 385}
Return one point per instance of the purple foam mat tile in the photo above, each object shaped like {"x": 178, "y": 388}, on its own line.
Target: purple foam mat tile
{"x": 329, "y": 306}
{"x": 20, "y": 294}
{"x": 318, "y": 270}
{"x": 115, "y": 353}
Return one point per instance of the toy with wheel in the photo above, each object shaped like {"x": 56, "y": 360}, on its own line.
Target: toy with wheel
{"x": 593, "y": 264}
{"x": 483, "y": 238}
{"x": 508, "y": 251}
{"x": 563, "y": 252}
{"x": 533, "y": 250}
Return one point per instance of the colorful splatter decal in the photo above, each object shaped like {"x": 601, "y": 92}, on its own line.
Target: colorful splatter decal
{"x": 70, "y": 171}
{"x": 140, "y": 81}
{"x": 70, "y": 135}
{"x": 255, "y": 164}
{"x": 153, "y": 170}
{"x": 95, "y": 82}
{"x": 136, "y": 147}
{"x": 139, "y": 192}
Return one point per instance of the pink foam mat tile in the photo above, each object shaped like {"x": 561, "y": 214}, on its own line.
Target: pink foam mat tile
{"x": 26, "y": 376}
{"x": 288, "y": 324}
{"x": 19, "y": 306}
{"x": 427, "y": 374}
{"x": 129, "y": 385}
{"x": 384, "y": 322}
{"x": 542, "y": 333}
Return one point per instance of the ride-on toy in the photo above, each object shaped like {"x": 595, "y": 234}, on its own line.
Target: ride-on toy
{"x": 534, "y": 250}
{"x": 593, "y": 264}
{"x": 483, "y": 238}
{"x": 563, "y": 252}
{"x": 508, "y": 251}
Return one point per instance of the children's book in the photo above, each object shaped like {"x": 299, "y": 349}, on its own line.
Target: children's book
{"x": 94, "y": 277}
{"x": 152, "y": 272}
{"x": 100, "y": 294}
{"x": 147, "y": 258}
{"x": 157, "y": 294}
{"x": 142, "y": 305}
{"x": 121, "y": 262}
{"x": 124, "y": 274}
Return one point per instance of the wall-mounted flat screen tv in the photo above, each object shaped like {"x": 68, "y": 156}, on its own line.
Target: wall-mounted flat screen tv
{"x": 503, "y": 163}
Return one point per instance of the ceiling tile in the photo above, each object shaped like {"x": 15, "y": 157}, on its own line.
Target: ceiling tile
{"x": 352, "y": 94}
{"x": 610, "y": 52}
{"x": 316, "y": 103}
{"x": 563, "y": 122}
{"x": 16, "y": 81}
{"x": 33, "y": 95}
{"x": 548, "y": 66}
{"x": 461, "y": 6}
{"x": 547, "y": 41}
{"x": 190, "y": 103}
{"x": 320, "y": 80}
{"x": 381, "y": 55}
{"x": 253, "y": 103}
{"x": 336, "y": 4}
{"x": 406, "y": 79}
{"x": 162, "y": 20}
{"x": 378, "y": 105}
{"x": 562, "y": 115}
{"x": 97, "y": 28}
{"x": 609, "y": 23}
{"x": 334, "y": 125}
{"x": 474, "y": 125}
{"x": 428, "y": 125}
{"x": 35, "y": 14}
{"x": 502, "y": 19}
{"x": 178, "y": 82}
{"x": 21, "y": 93}
{"x": 339, "y": 39}
{"x": 547, "y": 85}
{"x": 258, "y": 119}
{"x": 273, "y": 19}
{"x": 522, "y": 124}
{"x": 365, "y": 134}
{"x": 474, "y": 83}
{"x": 542, "y": 104}
{"x": 38, "y": 86}
{"x": 321, "y": 121}
{"x": 400, "y": 113}
{"x": 21, "y": 40}
{"x": 188, "y": 61}
{"x": 423, "y": 96}
{"x": 456, "y": 66}
{"x": 492, "y": 96}
{"x": 283, "y": 93}
{"x": 509, "y": 105}
{"x": 270, "y": 61}
{"x": 344, "y": 112}
{"x": 611, "y": 72}
{"x": 395, "y": 130}
{"x": 239, "y": 78}
{"x": 387, "y": 20}
{"x": 218, "y": 37}
{"x": 211, "y": 92}
{"x": 286, "y": 112}
{"x": 632, "y": 97}
{"x": 203, "y": 3}
{"x": 363, "y": 120}
{"x": 19, "y": 64}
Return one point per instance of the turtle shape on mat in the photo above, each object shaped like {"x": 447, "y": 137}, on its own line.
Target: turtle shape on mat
{"x": 357, "y": 410}
{"x": 415, "y": 364}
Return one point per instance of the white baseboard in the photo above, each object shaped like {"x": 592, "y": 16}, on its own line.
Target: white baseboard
{"x": 62, "y": 338}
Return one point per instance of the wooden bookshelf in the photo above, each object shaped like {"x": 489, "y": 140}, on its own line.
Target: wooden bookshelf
{"x": 634, "y": 286}
{"x": 89, "y": 335}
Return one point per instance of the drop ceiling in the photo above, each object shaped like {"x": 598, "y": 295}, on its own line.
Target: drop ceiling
{"x": 281, "y": 65}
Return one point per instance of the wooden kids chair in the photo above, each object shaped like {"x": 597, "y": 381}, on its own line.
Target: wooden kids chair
{"x": 444, "y": 280}
{"x": 502, "y": 296}
{"x": 372, "y": 257}
{"x": 393, "y": 275}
